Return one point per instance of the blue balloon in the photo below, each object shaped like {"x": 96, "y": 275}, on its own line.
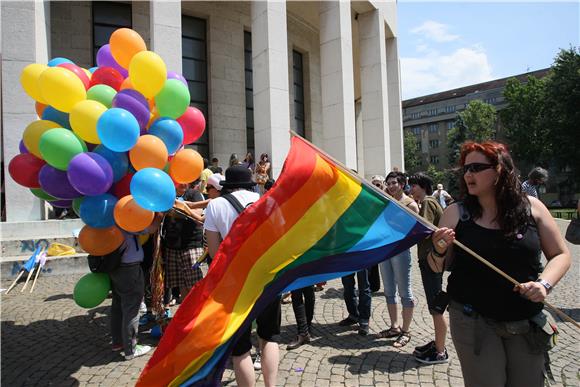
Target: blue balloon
{"x": 56, "y": 61}
{"x": 118, "y": 160}
{"x": 169, "y": 131}
{"x": 61, "y": 118}
{"x": 97, "y": 211}
{"x": 118, "y": 129}
{"x": 153, "y": 189}
{"x": 93, "y": 69}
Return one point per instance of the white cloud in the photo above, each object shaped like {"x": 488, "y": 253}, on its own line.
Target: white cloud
{"x": 435, "y": 31}
{"x": 436, "y": 72}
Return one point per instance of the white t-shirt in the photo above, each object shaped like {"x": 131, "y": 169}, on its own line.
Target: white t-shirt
{"x": 220, "y": 214}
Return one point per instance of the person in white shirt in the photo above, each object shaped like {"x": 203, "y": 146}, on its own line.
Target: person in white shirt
{"x": 219, "y": 217}
{"x": 442, "y": 196}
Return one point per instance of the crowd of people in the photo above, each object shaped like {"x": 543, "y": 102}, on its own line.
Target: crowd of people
{"x": 490, "y": 320}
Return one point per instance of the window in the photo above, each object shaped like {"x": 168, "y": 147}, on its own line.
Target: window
{"x": 298, "y": 71}
{"x": 450, "y": 125}
{"x": 490, "y": 100}
{"x": 194, "y": 63}
{"x": 450, "y": 109}
{"x": 107, "y": 17}
{"x": 417, "y": 130}
{"x": 434, "y": 159}
{"x": 433, "y": 128}
{"x": 433, "y": 144}
{"x": 249, "y": 76}
{"x": 414, "y": 116}
{"x": 432, "y": 112}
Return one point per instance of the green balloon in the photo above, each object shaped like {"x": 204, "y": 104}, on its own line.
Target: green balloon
{"x": 58, "y": 146}
{"x": 39, "y": 193}
{"x": 173, "y": 99}
{"x": 103, "y": 94}
{"x": 76, "y": 205}
{"x": 91, "y": 290}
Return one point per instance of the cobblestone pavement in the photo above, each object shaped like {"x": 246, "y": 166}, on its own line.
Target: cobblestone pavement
{"x": 48, "y": 340}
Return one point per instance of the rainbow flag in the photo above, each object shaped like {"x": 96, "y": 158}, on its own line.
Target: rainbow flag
{"x": 317, "y": 223}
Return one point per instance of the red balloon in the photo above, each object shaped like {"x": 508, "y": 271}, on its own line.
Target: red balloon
{"x": 121, "y": 188}
{"x": 24, "y": 169}
{"x": 79, "y": 72}
{"x": 107, "y": 76}
{"x": 192, "y": 123}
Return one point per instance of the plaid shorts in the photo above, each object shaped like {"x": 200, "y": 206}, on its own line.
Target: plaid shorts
{"x": 179, "y": 271}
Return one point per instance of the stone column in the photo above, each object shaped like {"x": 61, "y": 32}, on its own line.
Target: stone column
{"x": 395, "y": 108}
{"x": 374, "y": 94}
{"x": 338, "y": 118}
{"x": 271, "y": 93}
{"x": 25, "y": 36}
{"x": 165, "y": 20}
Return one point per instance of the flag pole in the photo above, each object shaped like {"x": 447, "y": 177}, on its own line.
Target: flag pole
{"x": 15, "y": 281}
{"x": 28, "y": 279}
{"x": 428, "y": 224}
{"x": 40, "y": 266}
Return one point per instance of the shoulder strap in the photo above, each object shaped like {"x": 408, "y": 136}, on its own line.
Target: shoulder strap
{"x": 234, "y": 202}
{"x": 464, "y": 214}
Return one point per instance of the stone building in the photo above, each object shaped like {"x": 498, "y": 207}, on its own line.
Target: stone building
{"x": 327, "y": 70}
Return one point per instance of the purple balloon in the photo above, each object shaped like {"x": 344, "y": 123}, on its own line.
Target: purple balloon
{"x": 55, "y": 183}
{"x": 22, "y": 148}
{"x": 90, "y": 174}
{"x": 135, "y": 103}
{"x": 106, "y": 59}
{"x": 66, "y": 203}
{"x": 174, "y": 75}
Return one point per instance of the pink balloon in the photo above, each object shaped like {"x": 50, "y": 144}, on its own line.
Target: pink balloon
{"x": 79, "y": 72}
{"x": 192, "y": 123}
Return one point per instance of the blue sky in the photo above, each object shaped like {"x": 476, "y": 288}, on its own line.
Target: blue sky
{"x": 444, "y": 45}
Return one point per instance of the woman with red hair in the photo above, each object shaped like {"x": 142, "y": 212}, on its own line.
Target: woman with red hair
{"x": 493, "y": 324}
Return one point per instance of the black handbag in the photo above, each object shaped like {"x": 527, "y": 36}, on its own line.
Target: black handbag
{"x": 573, "y": 232}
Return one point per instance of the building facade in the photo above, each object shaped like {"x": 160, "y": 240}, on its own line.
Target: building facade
{"x": 326, "y": 70}
{"x": 429, "y": 118}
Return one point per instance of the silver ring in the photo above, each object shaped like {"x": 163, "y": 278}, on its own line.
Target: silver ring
{"x": 442, "y": 243}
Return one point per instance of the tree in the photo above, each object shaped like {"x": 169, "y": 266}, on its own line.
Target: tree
{"x": 412, "y": 156}
{"x": 563, "y": 111}
{"x": 523, "y": 121}
{"x": 477, "y": 123}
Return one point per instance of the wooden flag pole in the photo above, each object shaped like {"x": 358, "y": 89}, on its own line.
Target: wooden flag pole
{"x": 431, "y": 226}
{"x": 15, "y": 281}
{"x": 35, "y": 278}
{"x": 28, "y": 279}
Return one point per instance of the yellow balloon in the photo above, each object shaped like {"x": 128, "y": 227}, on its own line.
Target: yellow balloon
{"x": 33, "y": 132}
{"x": 147, "y": 73}
{"x": 29, "y": 81}
{"x": 61, "y": 88}
{"x": 83, "y": 119}
{"x": 89, "y": 74}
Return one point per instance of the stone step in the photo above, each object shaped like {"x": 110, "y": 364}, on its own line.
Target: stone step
{"x": 25, "y": 247}
{"x": 59, "y": 265}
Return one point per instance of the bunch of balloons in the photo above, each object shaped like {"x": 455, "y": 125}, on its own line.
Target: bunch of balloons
{"x": 110, "y": 140}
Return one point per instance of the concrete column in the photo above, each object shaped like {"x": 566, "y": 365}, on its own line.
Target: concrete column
{"x": 374, "y": 94}
{"x": 271, "y": 89}
{"x": 395, "y": 108}
{"x": 25, "y": 37}
{"x": 165, "y": 19}
{"x": 338, "y": 118}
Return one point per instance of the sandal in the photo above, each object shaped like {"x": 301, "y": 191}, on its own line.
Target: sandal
{"x": 402, "y": 340}
{"x": 389, "y": 333}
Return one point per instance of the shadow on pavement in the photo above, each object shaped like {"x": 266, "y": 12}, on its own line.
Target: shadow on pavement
{"x": 387, "y": 361}
{"x": 57, "y": 297}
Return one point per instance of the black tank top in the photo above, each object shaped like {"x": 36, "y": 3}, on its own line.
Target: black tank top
{"x": 491, "y": 295}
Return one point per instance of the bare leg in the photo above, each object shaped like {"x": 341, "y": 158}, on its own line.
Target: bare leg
{"x": 440, "y": 331}
{"x": 407, "y": 318}
{"x": 393, "y": 315}
{"x": 270, "y": 360}
{"x": 244, "y": 370}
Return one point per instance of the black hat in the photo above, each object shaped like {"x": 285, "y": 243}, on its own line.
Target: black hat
{"x": 238, "y": 176}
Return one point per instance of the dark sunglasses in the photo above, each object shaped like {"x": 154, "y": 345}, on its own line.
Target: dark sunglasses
{"x": 378, "y": 185}
{"x": 476, "y": 167}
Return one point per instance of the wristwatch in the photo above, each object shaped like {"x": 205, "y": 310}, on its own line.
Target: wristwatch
{"x": 545, "y": 284}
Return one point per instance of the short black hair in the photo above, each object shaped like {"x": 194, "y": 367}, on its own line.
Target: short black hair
{"x": 400, "y": 176}
{"x": 423, "y": 181}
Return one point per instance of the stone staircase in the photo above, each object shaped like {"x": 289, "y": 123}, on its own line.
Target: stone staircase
{"x": 18, "y": 240}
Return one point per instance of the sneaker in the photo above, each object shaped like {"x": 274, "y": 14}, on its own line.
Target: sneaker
{"x": 117, "y": 347}
{"x": 423, "y": 348}
{"x": 363, "y": 329}
{"x": 146, "y": 318}
{"x": 143, "y": 307}
{"x": 258, "y": 363}
{"x": 431, "y": 356}
{"x": 167, "y": 313}
{"x": 140, "y": 350}
{"x": 347, "y": 322}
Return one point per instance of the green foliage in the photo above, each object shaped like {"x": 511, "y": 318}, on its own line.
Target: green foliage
{"x": 477, "y": 123}
{"x": 435, "y": 174}
{"x": 412, "y": 156}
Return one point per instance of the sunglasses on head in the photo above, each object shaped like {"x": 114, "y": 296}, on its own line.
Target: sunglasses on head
{"x": 476, "y": 167}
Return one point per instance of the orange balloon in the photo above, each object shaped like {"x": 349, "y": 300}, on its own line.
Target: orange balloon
{"x": 100, "y": 241}
{"x": 149, "y": 152}
{"x": 39, "y": 109}
{"x": 185, "y": 166}
{"x": 154, "y": 115}
{"x": 152, "y": 104}
{"x": 130, "y": 216}
{"x": 126, "y": 84}
{"x": 125, "y": 43}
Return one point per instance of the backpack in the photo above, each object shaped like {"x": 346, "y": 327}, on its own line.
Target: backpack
{"x": 106, "y": 263}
